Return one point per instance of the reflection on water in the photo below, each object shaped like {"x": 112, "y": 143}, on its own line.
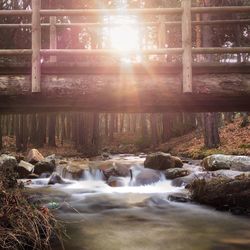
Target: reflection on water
{"x": 100, "y": 217}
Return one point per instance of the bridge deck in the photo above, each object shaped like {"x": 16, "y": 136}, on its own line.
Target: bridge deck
{"x": 147, "y": 87}
{"x": 130, "y": 88}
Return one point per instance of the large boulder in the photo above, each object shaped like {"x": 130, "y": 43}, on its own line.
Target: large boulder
{"x": 24, "y": 169}
{"x": 223, "y": 193}
{"x": 7, "y": 163}
{"x": 44, "y": 166}
{"x": 173, "y": 173}
{"x": 75, "y": 169}
{"x": 162, "y": 161}
{"x": 146, "y": 177}
{"x": 232, "y": 162}
{"x": 118, "y": 169}
{"x": 34, "y": 156}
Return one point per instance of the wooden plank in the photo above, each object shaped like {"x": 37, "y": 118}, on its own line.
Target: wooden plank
{"x": 36, "y": 46}
{"x": 53, "y": 37}
{"x": 70, "y": 52}
{"x": 15, "y": 52}
{"x": 177, "y": 103}
{"x": 146, "y": 11}
{"x": 94, "y": 25}
{"x": 105, "y": 67}
{"x": 104, "y": 12}
{"x": 224, "y": 9}
{"x": 187, "y": 46}
{"x": 232, "y": 50}
{"x": 154, "y": 87}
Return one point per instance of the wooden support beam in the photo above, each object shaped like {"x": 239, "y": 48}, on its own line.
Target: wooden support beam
{"x": 15, "y": 52}
{"x": 97, "y": 25}
{"x": 233, "y": 50}
{"x": 53, "y": 37}
{"x": 224, "y": 9}
{"x": 36, "y": 46}
{"x": 70, "y": 52}
{"x": 187, "y": 46}
{"x": 113, "y": 92}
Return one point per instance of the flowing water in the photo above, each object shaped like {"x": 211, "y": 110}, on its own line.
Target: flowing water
{"x": 100, "y": 217}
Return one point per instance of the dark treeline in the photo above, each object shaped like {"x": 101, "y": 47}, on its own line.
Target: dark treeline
{"x": 89, "y": 132}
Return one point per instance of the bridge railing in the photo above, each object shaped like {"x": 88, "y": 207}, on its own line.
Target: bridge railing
{"x": 186, "y": 23}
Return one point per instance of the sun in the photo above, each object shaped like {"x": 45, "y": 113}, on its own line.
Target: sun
{"x": 123, "y": 33}
{"x": 124, "y": 38}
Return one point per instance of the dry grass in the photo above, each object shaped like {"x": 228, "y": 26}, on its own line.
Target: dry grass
{"x": 24, "y": 225}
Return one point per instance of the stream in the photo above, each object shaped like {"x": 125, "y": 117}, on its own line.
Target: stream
{"x": 100, "y": 217}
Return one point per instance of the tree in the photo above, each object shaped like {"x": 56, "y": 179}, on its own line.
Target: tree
{"x": 211, "y": 131}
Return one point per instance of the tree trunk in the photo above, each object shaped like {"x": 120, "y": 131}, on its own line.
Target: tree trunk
{"x": 52, "y": 130}
{"x": 153, "y": 122}
{"x": 1, "y": 133}
{"x": 111, "y": 126}
{"x": 211, "y": 133}
{"x": 166, "y": 126}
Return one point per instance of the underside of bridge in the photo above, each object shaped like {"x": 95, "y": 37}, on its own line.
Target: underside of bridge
{"x": 125, "y": 88}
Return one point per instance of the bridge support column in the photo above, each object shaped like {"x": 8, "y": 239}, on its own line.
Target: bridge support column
{"x": 36, "y": 46}
{"x": 187, "y": 46}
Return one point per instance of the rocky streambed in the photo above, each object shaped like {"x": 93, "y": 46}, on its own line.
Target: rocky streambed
{"x": 143, "y": 202}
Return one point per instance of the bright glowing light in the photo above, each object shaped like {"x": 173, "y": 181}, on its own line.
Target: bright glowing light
{"x": 124, "y": 37}
{"x": 122, "y": 33}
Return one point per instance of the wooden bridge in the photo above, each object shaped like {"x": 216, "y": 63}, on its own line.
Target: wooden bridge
{"x": 46, "y": 83}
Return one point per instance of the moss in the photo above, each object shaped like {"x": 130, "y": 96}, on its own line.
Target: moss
{"x": 245, "y": 146}
{"x": 223, "y": 192}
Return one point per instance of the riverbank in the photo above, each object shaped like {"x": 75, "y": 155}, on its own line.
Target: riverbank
{"x": 235, "y": 140}
{"x": 24, "y": 224}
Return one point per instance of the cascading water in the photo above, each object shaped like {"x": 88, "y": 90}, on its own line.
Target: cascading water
{"x": 138, "y": 217}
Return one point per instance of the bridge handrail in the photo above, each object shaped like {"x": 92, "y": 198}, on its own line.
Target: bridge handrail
{"x": 186, "y": 11}
{"x": 146, "y": 11}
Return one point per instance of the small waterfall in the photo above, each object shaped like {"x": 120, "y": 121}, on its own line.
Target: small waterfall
{"x": 93, "y": 175}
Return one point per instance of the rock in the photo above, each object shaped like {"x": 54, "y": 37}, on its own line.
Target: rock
{"x": 7, "y": 163}
{"x": 162, "y": 161}
{"x": 146, "y": 177}
{"x": 221, "y": 192}
{"x": 119, "y": 170}
{"x": 44, "y": 166}
{"x": 51, "y": 158}
{"x": 75, "y": 169}
{"x": 55, "y": 178}
{"x": 173, "y": 173}
{"x": 24, "y": 169}
{"x": 232, "y": 162}
{"x": 178, "y": 198}
{"x": 105, "y": 156}
{"x": 34, "y": 156}
{"x": 186, "y": 180}
{"x": 33, "y": 176}
{"x": 45, "y": 175}
{"x": 115, "y": 181}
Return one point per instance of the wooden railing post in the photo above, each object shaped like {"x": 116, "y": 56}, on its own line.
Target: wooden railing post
{"x": 187, "y": 46}
{"x": 53, "y": 37}
{"x": 162, "y": 34}
{"x": 36, "y": 46}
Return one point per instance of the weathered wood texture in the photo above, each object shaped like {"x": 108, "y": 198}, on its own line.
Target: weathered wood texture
{"x": 187, "y": 46}
{"x": 36, "y": 46}
{"x": 133, "y": 93}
